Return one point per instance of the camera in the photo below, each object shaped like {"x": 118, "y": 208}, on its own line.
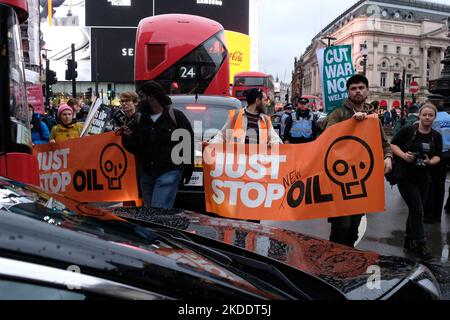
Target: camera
{"x": 420, "y": 155}
{"x": 120, "y": 120}
{"x": 119, "y": 117}
{"x": 132, "y": 125}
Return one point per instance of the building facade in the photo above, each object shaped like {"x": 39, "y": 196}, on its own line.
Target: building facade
{"x": 398, "y": 34}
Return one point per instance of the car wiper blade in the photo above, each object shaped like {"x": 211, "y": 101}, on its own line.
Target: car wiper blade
{"x": 252, "y": 263}
{"x": 181, "y": 238}
{"x": 228, "y": 259}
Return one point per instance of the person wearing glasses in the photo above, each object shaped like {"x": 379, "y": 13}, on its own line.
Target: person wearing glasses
{"x": 249, "y": 125}
{"x": 128, "y": 102}
{"x": 301, "y": 126}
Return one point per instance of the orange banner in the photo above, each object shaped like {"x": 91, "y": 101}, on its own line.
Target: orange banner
{"x": 88, "y": 169}
{"x": 339, "y": 174}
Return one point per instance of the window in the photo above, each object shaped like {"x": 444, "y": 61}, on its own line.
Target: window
{"x": 383, "y": 79}
{"x": 384, "y": 64}
{"x": 396, "y": 76}
{"x": 194, "y": 72}
{"x": 408, "y": 80}
{"x": 410, "y": 16}
{"x": 15, "y": 290}
{"x": 411, "y": 51}
{"x": 399, "y": 50}
{"x": 409, "y": 66}
{"x": 397, "y": 15}
{"x": 249, "y": 81}
{"x": 384, "y": 13}
{"x": 397, "y": 65}
{"x": 385, "y": 48}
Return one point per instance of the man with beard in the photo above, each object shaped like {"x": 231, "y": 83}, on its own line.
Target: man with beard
{"x": 344, "y": 230}
{"x": 301, "y": 126}
{"x": 150, "y": 141}
{"x": 249, "y": 125}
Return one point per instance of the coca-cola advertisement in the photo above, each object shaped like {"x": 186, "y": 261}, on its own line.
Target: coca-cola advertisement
{"x": 239, "y": 51}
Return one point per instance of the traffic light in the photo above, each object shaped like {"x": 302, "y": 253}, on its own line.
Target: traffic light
{"x": 88, "y": 93}
{"x": 109, "y": 92}
{"x": 51, "y": 77}
{"x": 397, "y": 86}
{"x": 71, "y": 72}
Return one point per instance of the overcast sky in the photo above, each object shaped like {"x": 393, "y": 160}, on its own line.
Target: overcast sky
{"x": 288, "y": 26}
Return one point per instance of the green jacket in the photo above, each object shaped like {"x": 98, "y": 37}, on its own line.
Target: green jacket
{"x": 346, "y": 112}
{"x": 409, "y": 121}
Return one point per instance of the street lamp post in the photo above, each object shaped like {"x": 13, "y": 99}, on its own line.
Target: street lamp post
{"x": 365, "y": 53}
{"x": 329, "y": 40}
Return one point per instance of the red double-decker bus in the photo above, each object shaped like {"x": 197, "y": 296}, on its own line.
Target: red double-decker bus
{"x": 184, "y": 53}
{"x": 16, "y": 160}
{"x": 252, "y": 79}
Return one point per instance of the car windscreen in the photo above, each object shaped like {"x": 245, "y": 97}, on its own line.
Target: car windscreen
{"x": 211, "y": 116}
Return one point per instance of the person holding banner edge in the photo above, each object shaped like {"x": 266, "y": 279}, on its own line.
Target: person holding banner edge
{"x": 68, "y": 127}
{"x": 344, "y": 230}
{"x": 249, "y": 125}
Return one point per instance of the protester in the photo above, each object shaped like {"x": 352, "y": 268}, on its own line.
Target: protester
{"x": 436, "y": 195}
{"x": 301, "y": 126}
{"x": 417, "y": 149}
{"x": 151, "y": 143}
{"x": 344, "y": 230}
{"x": 68, "y": 128}
{"x": 84, "y": 112}
{"x": 394, "y": 117}
{"x": 49, "y": 118}
{"x": 249, "y": 125}
{"x": 287, "y": 114}
{"x": 129, "y": 102}
{"x": 39, "y": 130}
{"x": 76, "y": 107}
{"x": 387, "y": 118}
{"x": 411, "y": 118}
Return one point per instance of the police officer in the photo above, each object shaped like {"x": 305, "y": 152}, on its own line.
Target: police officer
{"x": 436, "y": 195}
{"x": 287, "y": 114}
{"x": 301, "y": 126}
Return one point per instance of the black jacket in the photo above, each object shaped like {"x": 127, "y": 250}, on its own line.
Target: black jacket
{"x": 151, "y": 143}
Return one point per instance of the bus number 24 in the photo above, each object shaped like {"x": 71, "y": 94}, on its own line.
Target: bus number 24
{"x": 187, "y": 72}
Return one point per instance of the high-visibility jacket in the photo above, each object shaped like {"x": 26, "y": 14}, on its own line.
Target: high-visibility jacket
{"x": 236, "y": 124}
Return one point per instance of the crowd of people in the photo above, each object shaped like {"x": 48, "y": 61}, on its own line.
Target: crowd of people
{"x": 417, "y": 155}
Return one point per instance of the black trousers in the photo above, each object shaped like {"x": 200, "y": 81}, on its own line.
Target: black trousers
{"x": 436, "y": 194}
{"x": 415, "y": 196}
{"x": 344, "y": 230}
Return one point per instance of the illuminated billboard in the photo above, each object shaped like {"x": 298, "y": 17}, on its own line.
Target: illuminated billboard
{"x": 104, "y": 32}
{"x": 240, "y": 52}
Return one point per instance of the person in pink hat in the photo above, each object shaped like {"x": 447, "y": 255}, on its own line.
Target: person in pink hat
{"x": 67, "y": 127}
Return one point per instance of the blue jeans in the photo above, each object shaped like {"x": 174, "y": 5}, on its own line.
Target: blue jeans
{"x": 160, "y": 192}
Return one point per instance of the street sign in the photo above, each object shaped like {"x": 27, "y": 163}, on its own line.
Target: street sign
{"x": 413, "y": 87}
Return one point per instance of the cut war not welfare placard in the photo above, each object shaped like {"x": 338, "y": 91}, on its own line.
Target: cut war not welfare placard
{"x": 339, "y": 174}
{"x": 336, "y": 67}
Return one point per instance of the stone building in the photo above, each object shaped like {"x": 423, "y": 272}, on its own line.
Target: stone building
{"x": 398, "y": 35}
